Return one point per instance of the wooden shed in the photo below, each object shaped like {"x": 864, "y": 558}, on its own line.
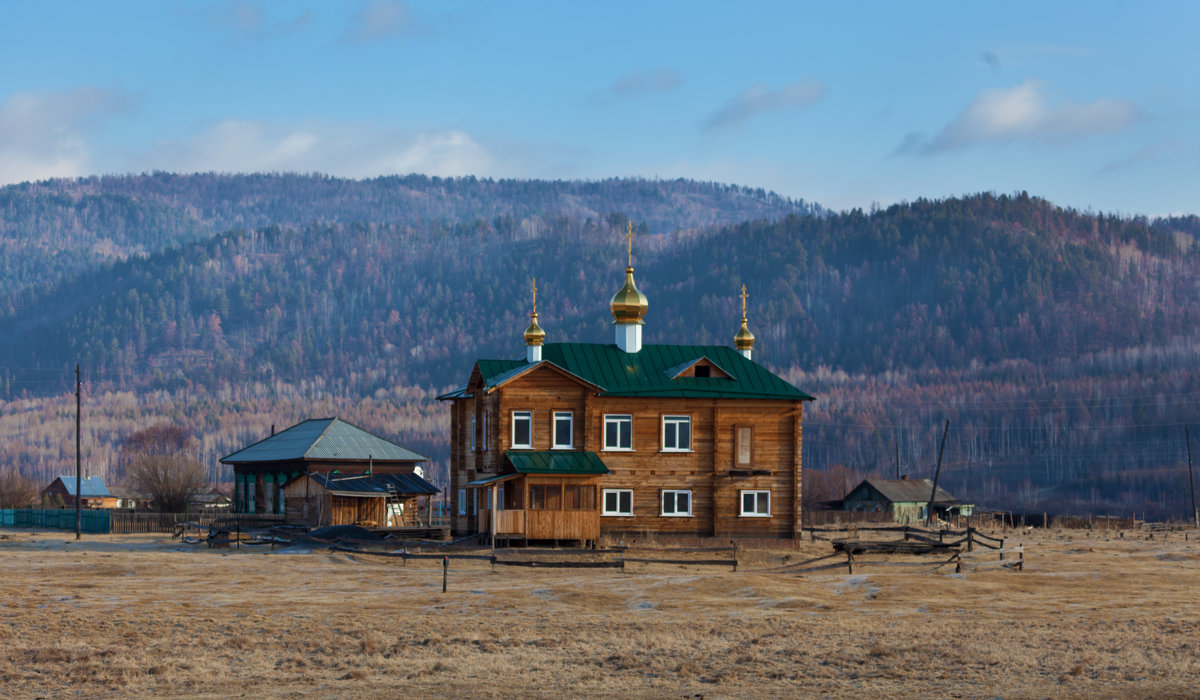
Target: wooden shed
{"x": 905, "y": 499}
{"x": 371, "y": 500}
{"x": 93, "y": 492}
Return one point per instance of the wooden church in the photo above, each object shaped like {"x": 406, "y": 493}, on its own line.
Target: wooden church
{"x": 579, "y": 440}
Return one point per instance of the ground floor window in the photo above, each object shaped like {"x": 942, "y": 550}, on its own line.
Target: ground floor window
{"x": 462, "y": 501}
{"x": 579, "y": 497}
{"x": 545, "y": 497}
{"x": 756, "y": 504}
{"x": 618, "y": 502}
{"x": 676, "y": 503}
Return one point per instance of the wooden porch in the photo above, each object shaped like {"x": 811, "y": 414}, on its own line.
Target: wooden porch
{"x": 540, "y": 508}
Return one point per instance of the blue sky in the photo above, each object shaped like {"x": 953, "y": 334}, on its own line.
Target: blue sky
{"x": 1093, "y": 105}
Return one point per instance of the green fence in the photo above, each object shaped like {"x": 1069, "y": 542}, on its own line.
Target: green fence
{"x": 90, "y": 521}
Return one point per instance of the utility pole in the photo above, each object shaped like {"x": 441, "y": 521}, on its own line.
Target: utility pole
{"x": 1191, "y": 477}
{"x": 896, "y": 439}
{"x": 936, "y": 475}
{"x": 78, "y": 453}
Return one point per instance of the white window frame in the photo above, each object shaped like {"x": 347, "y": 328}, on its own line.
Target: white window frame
{"x": 758, "y": 495}
{"x": 675, "y": 421}
{"x": 674, "y": 493}
{"x": 615, "y": 513}
{"x": 472, "y": 433}
{"x": 618, "y": 419}
{"x": 485, "y": 432}
{"x": 570, "y": 419}
{"x": 526, "y": 416}
{"x": 462, "y": 501}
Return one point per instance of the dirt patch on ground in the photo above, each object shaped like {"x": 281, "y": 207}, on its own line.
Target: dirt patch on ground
{"x": 143, "y": 615}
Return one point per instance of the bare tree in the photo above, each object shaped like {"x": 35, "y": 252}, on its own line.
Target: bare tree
{"x": 17, "y": 491}
{"x": 160, "y": 462}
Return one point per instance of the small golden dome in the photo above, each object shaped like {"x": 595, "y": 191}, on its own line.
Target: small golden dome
{"x": 534, "y": 335}
{"x": 744, "y": 340}
{"x": 628, "y": 304}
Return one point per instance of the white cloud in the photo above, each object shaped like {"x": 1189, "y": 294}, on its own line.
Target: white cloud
{"x": 347, "y": 150}
{"x": 379, "y": 19}
{"x": 758, "y": 99}
{"x": 1023, "y": 113}
{"x": 640, "y": 81}
{"x": 44, "y": 134}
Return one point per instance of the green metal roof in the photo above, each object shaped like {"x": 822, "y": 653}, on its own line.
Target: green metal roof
{"x": 649, "y": 372}
{"x": 323, "y": 438}
{"x": 558, "y": 462}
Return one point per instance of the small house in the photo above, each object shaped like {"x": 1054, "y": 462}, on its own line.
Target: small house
{"x": 370, "y": 500}
{"x": 130, "y": 498}
{"x": 905, "y": 499}
{"x": 313, "y": 446}
{"x": 92, "y": 492}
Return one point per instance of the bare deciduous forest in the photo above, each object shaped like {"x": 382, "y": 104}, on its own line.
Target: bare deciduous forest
{"x": 1062, "y": 345}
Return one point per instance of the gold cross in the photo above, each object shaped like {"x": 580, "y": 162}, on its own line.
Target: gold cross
{"x": 744, "y": 297}
{"x": 629, "y": 238}
{"x": 535, "y": 295}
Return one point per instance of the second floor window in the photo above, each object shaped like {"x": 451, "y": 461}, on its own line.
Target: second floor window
{"x": 563, "y": 424}
{"x": 472, "y": 433}
{"x": 677, "y": 433}
{"x": 618, "y": 432}
{"x": 522, "y": 429}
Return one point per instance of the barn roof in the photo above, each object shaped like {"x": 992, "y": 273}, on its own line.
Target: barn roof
{"x": 89, "y": 486}
{"x": 907, "y": 490}
{"x": 323, "y": 438}
{"x": 651, "y": 372}
{"x": 373, "y": 484}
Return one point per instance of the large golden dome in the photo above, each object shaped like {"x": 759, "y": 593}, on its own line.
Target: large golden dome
{"x": 534, "y": 335}
{"x": 628, "y": 304}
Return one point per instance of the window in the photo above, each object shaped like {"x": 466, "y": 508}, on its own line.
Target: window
{"x": 742, "y": 450}
{"x": 703, "y": 371}
{"x": 618, "y": 502}
{"x": 462, "y": 501}
{"x": 677, "y": 434}
{"x": 474, "y": 501}
{"x": 472, "y": 433}
{"x": 579, "y": 497}
{"x": 676, "y": 503}
{"x": 545, "y": 497}
{"x": 563, "y": 424}
{"x": 522, "y": 429}
{"x": 756, "y": 504}
{"x": 618, "y": 432}
{"x": 484, "y": 440}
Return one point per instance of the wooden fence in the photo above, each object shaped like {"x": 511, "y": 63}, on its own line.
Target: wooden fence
{"x": 958, "y": 546}
{"x": 577, "y": 559}
{"x": 124, "y": 522}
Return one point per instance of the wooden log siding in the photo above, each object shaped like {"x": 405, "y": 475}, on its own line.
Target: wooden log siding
{"x": 647, "y": 470}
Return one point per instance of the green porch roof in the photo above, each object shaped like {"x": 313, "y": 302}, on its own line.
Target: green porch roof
{"x": 326, "y": 439}
{"x": 650, "y": 372}
{"x": 565, "y": 463}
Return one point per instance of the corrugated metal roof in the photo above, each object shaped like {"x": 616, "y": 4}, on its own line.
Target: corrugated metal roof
{"x": 405, "y": 484}
{"x": 323, "y": 438}
{"x": 89, "y": 486}
{"x": 557, "y": 462}
{"x": 907, "y": 490}
{"x": 646, "y": 373}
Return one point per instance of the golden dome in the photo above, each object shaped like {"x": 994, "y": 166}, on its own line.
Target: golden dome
{"x": 628, "y": 304}
{"x": 534, "y": 335}
{"x": 744, "y": 340}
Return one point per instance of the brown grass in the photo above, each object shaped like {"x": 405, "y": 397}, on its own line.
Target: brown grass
{"x": 138, "y": 615}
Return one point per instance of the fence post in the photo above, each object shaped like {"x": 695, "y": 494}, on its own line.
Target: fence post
{"x": 849, "y": 561}
{"x": 1021, "y": 561}
{"x": 445, "y": 571}
{"x": 1001, "y": 550}
{"x": 970, "y": 539}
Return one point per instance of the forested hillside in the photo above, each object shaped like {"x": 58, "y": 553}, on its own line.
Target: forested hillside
{"x": 1062, "y": 345}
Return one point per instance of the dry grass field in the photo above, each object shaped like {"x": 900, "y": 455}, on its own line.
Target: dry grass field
{"x": 1092, "y": 615}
